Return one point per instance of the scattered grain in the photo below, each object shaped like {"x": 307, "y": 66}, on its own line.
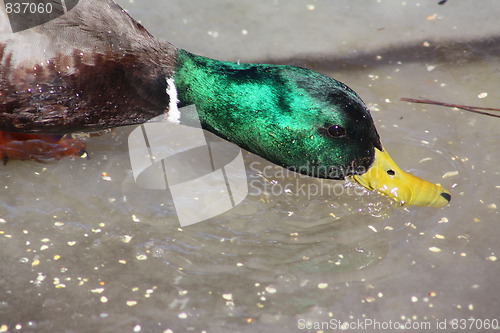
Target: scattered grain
{"x": 271, "y": 290}
{"x": 227, "y": 297}
{"x": 105, "y": 176}
{"x": 126, "y": 238}
{"x": 443, "y": 220}
{"x": 432, "y": 17}
{"x": 450, "y": 174}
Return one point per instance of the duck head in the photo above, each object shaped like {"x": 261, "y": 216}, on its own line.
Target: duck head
{"x": 299, "y": 119}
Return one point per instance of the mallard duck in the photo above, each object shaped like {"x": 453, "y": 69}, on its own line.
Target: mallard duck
{"x": 95, "y": 67}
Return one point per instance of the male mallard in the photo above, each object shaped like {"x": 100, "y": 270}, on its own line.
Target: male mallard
{"x": 95, "y": 67}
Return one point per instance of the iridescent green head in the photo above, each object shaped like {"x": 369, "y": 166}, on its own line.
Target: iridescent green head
{"x": 294, "y": 117}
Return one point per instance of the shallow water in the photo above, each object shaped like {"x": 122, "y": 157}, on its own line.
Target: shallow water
{"x": 84, "y": 249}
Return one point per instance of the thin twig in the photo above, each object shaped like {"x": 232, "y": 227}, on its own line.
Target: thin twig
{"x": 474, "y": 109}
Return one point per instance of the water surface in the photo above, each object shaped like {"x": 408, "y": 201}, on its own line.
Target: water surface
{"x": 83, "y": 249}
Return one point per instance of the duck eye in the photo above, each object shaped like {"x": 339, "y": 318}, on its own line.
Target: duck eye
{"x": 336, "y": 131}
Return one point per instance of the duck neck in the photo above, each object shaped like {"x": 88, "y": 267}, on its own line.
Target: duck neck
{"x": 228, "y": 96}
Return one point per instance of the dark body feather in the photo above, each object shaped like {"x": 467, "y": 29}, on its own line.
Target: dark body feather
{"x": 90, "y": 69}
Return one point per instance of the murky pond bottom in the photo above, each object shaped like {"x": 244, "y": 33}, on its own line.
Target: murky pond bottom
{"x": 85, "y": 250}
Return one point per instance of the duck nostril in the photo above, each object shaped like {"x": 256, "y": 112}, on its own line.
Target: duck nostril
{"x": 391, "y": 172}
{"x": 447, "y": 196}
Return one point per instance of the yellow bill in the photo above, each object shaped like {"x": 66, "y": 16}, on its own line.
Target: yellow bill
{"x": 387, "y": 178}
